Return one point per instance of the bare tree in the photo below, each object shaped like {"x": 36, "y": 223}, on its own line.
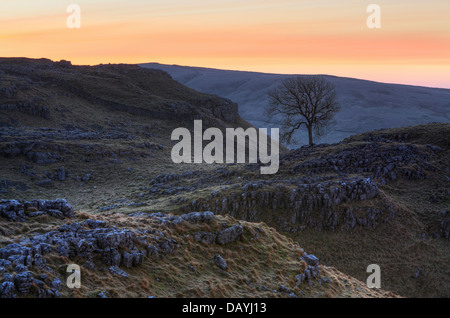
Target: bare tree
{"x": 303, "y": 100}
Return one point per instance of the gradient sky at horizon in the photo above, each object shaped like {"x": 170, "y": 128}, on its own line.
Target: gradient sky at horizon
{"x": 276, "y": 36}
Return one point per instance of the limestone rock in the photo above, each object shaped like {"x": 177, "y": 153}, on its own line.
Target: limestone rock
{"x": 220, "y": 262}
{"x": 229, "y": 235}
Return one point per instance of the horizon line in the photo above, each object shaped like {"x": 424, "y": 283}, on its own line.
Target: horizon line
{"x": 232, "y": 70}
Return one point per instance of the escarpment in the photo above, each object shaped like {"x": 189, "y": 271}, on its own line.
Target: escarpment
{"x": 329, "y": 205}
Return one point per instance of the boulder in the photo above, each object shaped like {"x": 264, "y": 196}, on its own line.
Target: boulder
{"x": 23, "y": 282}
{"x": 229, "y": 235}
{"x": 115, "y": 270}
{"x": 196, "y": 217}
{"x": 205, "y": 237}
{"x": 7, "y": 290}
{"x": 310, "y": 259}
{"x": 220, "y": 262}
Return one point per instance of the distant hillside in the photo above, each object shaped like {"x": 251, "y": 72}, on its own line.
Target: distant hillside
{"x": 365, "y": 105}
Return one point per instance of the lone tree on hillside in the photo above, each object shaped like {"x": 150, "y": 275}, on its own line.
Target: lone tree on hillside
{"x": 303, "y": 100}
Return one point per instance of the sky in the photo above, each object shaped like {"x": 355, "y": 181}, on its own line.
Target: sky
{"x": 412, "y": 46}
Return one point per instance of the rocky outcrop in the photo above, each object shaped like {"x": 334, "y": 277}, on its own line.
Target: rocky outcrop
{"x": 312, "y": 270}
{"x": 294, "y": 207}
{"x": 25, "y": 265}
{"x": 172, "y": 220}
{"x": 33, "y": 107}
{"x": 37, "y": 152}
{"x": 19, "y": 210}
{"x": 205, "y": 237}
{"x": 86, "y": 241}
{"x": 383, "y": 162}
{"x": 229, "y": 235}
{"x": 195, "y": 217}
{"x": 223, "y": 237}
{"x": 115, "y": 247}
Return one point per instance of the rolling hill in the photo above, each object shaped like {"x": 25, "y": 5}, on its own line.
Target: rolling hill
{"x": 140, "y": 225}
{"x": 365, "y": 105}
{"x": 99, "y": 137}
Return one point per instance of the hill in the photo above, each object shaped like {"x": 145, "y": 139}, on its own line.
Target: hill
{"x": 365, "y": 105}
{"x": 140, "y": 225}
{"x": 160, "y": 255}
{"x": 41, "y": 89}
{"x": 97, "y": 136}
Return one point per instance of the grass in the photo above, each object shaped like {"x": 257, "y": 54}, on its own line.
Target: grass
{"x": 257, "y": 265}
{"x": 396, "y": 247}
{"x": 270, "y": 260}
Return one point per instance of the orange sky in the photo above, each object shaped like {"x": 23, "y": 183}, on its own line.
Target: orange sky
{"x": 314, "y": 37}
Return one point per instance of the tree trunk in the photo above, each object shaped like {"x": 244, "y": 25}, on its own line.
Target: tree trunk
{"x": 310, "y": 135}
